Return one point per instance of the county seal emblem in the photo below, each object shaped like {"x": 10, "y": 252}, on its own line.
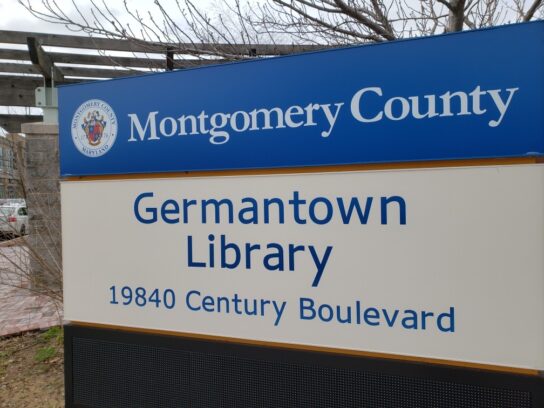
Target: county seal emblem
{"x": 94, "y": 125}
{"x": 94, "y": 128}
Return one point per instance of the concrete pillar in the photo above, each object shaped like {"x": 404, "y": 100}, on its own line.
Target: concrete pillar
{"x": 43, "y": 202}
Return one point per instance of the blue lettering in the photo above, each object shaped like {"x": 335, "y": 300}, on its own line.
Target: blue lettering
{"x": 328, "y": 207}
{"x": 278, "y": 256}
{"x": 354, "y": 205}
{"x": 190, "y": 262}
{"x": 188, "y": 300}
{"x": 402, "y": 208}
{"x": 320, "y": 264}
{"x": 186, "y": 205}
{"x": 390, "y": 320}
{"x": 446, "y": 321}
{"x": 217, "y": 204}
{"x": 296, "y": 202}
{"x": 329, "y": 313}
{"x": 229, "y": 247}
{"x": 174, "y": 209}
{"x": 279, "y": 203}
{"x": 152, "y": 211}
{"x": 208, "y": 303}
{"x": 252, "y": 211}
{"x": 371, "y": 314}
{"x": 307, "y": 305}
{"x": 410, "y": 321}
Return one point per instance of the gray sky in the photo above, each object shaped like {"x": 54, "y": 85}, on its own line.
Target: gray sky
{"x": 15, "y": 17}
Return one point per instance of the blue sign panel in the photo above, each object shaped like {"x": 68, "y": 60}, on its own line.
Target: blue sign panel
{"x": 467, "y": 95}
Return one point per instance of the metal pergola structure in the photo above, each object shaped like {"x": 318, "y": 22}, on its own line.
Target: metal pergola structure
{"x": 47, "y": 59}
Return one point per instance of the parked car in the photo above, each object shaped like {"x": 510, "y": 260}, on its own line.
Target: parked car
{"x": 13, "y": 218}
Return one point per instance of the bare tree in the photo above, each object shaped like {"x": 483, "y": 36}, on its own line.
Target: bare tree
{"x": 204, "y": 32}
{"x": 360, "y": 21}
{"x": 22, "y": 256}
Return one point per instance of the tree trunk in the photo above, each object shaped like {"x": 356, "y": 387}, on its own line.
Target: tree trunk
{"x": 456, "y": 16}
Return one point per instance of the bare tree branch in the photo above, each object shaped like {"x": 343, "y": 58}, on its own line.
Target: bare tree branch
{"x": 532, "y": 10}
{"x": 192, "y": 31}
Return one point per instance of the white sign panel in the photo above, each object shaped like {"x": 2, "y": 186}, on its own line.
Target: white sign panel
{"x": 441, "y": 263}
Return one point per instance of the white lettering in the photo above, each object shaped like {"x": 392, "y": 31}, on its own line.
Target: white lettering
{"x": 501, "y": 106}
{"x": 368, "y": 105}
{"x": 150, "y": 123}
{"x": 293, "y": 111}
{"x": 170, "y": 123}
{"x": 431, "y": 107}
{"x": 356, "y": 105}
{"x": 331, "y": 118}
{"x": 405, "y": 108}
{"x": 446, "y": 101}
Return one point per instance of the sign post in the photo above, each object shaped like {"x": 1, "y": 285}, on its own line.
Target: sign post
{"x": 372, "y": 229}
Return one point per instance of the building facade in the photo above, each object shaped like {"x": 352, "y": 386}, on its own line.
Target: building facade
{"x": 12, "y": 150}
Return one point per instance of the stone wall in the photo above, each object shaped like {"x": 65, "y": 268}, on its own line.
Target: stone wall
{"x": 42, "y": 187}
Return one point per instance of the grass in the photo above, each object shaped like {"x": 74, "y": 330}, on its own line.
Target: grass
{"x": 44, "y": 354}
{"x": 53, "y": 340}
{"x": 55, "y": 334}
{"x": 31, "y": 370}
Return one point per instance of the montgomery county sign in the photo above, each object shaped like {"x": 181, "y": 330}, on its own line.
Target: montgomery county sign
{"x": 224, "y": 213}
{"x": 449, "y": 97}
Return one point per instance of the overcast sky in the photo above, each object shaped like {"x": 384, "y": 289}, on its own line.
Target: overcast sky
{"x": 15, "y": 17}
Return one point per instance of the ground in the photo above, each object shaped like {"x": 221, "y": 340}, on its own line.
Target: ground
{"x": 31, "y": 363}
{"x": 21, "y": 309}
{"x": 31, "y": 370}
